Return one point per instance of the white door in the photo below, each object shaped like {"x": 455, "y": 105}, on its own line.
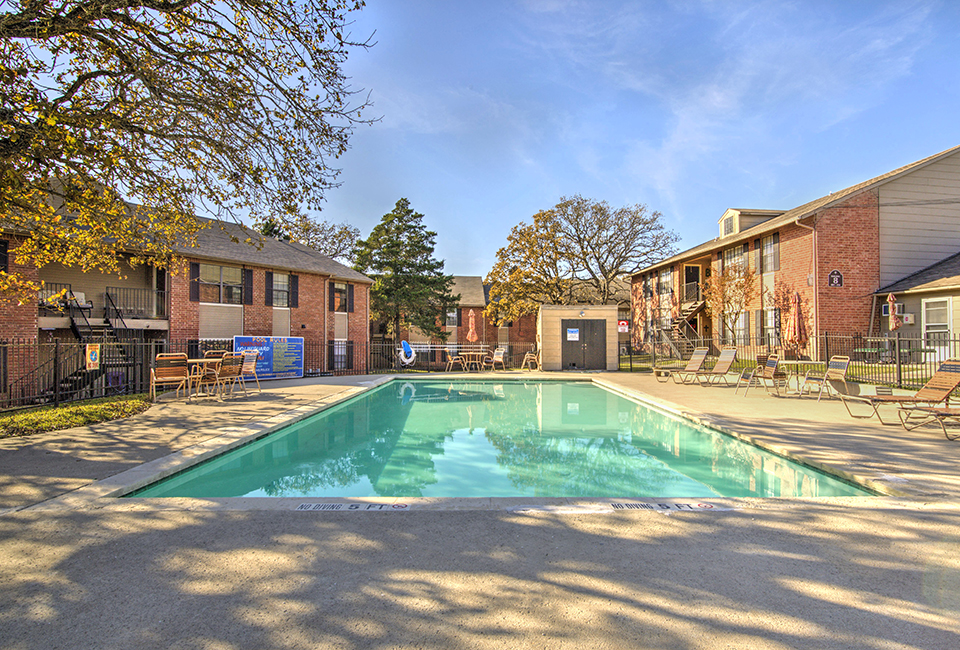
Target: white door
{"x": 937, "y": 326}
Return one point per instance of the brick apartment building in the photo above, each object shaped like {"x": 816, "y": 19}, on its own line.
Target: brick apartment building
{"x": 474, "y": 298}
{"x": 840, "y": 252}
{"x": 227, "y": 288}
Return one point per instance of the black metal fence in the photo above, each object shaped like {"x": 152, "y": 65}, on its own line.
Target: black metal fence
{"x": 891, "y": 360}
{"x": 33, "y": 373}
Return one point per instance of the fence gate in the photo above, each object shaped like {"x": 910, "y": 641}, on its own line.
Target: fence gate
{"x": 583, "y": 344}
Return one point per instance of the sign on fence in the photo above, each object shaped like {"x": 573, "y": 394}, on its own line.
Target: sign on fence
{"x": 279, "y": 357}
{"x": 93, "y": 356}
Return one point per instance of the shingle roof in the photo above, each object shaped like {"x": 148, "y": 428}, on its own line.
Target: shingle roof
{"x": 470, "y": 288}
{"x": 944, "y": 274}
{"x": 214, "y": 243}
{"x": 801, "y": 212}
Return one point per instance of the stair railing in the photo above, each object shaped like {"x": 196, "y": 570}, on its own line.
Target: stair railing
{"x": 112, "y": 310}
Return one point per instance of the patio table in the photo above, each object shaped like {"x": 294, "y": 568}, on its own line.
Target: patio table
{"x": 474, "y": 359}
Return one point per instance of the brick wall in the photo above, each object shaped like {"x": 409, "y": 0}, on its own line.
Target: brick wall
{"x": 19, "y": 320}
{"x": 19, "y": 323}
{"x": 184, "y": 314}
{"x": 848, "y": 240}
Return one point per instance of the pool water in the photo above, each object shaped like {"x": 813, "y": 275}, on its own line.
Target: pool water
{"x": 497, "y": 439}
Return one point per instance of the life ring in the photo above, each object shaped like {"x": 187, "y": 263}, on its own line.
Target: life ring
{"x": 408, "y": 355}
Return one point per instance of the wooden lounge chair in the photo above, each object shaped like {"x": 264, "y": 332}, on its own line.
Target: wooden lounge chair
{"x": 689, "y": 373}
{"x": 935, "y": 392}
{"x": 836, "y": 374}
{"x": 918, "y": 416}
{"x": 453, "y": 360}
{"x": 170, "y": 369}
{"x": 497, "y": 357}
{"x": 721, "y": 370}
{"x": 770, "y": 372}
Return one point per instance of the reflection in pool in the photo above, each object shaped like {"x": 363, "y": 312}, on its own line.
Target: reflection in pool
{"x": 497, "y": 439}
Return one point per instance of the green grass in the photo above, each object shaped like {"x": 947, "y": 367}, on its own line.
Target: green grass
{"x": 74, "y": 414}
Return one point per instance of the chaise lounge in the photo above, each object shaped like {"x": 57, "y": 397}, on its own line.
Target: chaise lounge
{"x": 936, "y": 391}
{"x": 721, "y": 370}
{"x": 682, "y": 376}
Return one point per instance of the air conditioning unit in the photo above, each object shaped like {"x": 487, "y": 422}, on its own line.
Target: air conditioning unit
{"x": 909, "y": 319}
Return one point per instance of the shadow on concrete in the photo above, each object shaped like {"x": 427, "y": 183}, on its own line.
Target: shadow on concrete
{"x": 813, "y": 576}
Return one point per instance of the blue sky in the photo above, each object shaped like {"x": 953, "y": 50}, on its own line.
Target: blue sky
{"x": 494, "y": 110}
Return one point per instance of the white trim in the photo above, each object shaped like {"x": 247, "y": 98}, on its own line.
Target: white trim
{"x": 223, "y": 304}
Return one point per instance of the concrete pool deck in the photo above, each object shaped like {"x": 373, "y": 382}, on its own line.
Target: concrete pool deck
{"x": 811, "y": 573}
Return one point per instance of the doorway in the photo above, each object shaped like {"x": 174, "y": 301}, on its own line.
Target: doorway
{"x": 583, "y": 344}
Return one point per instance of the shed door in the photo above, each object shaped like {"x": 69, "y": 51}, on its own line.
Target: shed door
{"x": 583, "y": 344}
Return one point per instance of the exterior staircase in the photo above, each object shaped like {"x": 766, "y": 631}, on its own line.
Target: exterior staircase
{"x": 682, "y": 329}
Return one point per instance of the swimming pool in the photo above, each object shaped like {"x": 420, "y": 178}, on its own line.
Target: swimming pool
{"x": 435, "y": 438}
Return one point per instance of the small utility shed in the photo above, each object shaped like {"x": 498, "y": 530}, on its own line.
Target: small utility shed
{"x": 578, "y": 337}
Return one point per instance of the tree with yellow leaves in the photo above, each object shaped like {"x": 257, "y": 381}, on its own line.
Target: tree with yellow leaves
{"x": 122, "y": 120}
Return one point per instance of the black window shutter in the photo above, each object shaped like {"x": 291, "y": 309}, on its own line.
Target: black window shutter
{"x": 294, "y": 291}
{"x": 759, "y": 323}
{"x": 746, "y": 253}
{"x": 248, "y": 286}
{"x": 4, "y": 255}
{"x": 331, "y": 298}
{"x": 459, "y": 316}
{"x": 776, "y": 252}
{"x": 329, "y": 355}
{"x": 350, "y": 297}
{"x": 349, "y": 355}
{"x": 194, "y": 282}
{"x": 758, "y": 255}
{"x": 268, "y": 288}
{"x": 720, "y": 260}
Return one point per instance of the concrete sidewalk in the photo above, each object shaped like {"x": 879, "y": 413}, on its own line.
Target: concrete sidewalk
{"x": 816, "y": 573}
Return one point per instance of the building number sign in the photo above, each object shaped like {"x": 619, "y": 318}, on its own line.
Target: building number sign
{"x": 835, "y": 279}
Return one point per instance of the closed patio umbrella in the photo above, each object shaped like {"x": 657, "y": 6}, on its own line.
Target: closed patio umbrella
{"x": 472, "y": 333}
{"x": 895, "y": 321}
{"x": 796, "y": 334}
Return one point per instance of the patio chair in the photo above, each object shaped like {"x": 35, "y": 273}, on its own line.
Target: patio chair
{"x": 751, "y": 376}
{"x": 454, "y": 359}
{"x": 229, "y": 372}
{"x": 770, "y": 372}
{"x": 170, "y": 369}
{"x": 694, "y": 365}
{"x": 530, "y": 359}
{"x": 835, "y": 374}
{"x": 721, "y": 370}
{"x": 496, "y": 358}
{"x": 249, "y": 368}
{"x": 936, "y": 391}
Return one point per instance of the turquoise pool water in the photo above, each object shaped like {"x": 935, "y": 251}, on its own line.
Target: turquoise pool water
{"x": 497, "y": 439}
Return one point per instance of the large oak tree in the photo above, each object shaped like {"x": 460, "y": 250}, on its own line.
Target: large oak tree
{"x": 580, "y": 250}
{"x": 226, "y": 108}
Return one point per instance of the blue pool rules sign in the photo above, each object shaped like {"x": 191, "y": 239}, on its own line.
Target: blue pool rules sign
{"x": 278, "y": 357}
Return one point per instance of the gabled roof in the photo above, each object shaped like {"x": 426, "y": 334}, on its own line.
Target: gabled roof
{"x": 470, "y": 288}
{"x": 214, "y": 243}
{"x": 801, "y": 212}
{"x": 941, "y": 275}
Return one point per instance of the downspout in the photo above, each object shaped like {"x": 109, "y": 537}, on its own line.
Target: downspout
{"x": 816, "y": 266}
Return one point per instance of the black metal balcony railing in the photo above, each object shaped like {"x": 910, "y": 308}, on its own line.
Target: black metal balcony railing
{"x": 129, "y": 303}
{"x": 53, "y": 298}
{"x": 691, "y": 292}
